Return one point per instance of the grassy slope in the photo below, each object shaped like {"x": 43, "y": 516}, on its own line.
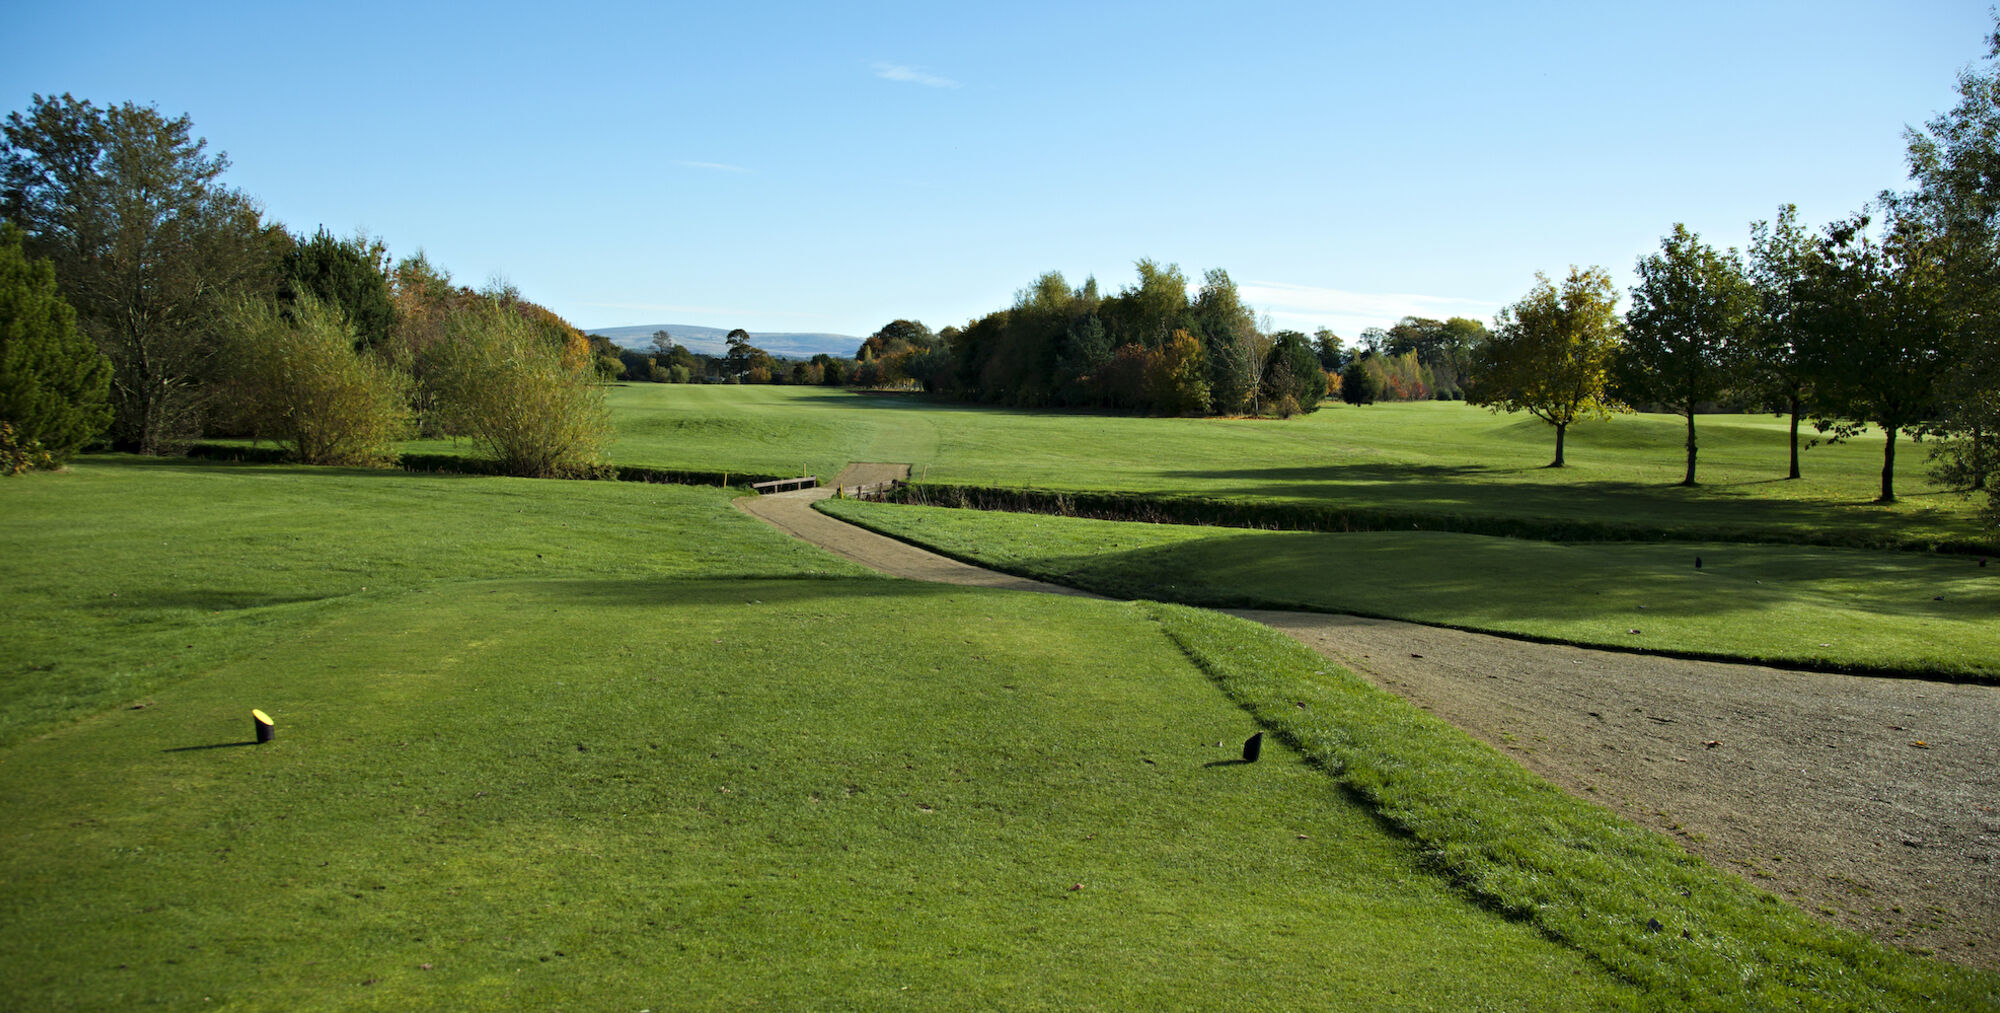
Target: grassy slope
{"x": 1439, "y": 458}
{"x": 688, "y": 764}
{"x": 1829, "y": 608}
{"x": 131, "y": 572}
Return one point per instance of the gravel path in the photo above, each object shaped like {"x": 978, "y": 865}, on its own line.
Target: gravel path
{"x": 1874, "y": 802}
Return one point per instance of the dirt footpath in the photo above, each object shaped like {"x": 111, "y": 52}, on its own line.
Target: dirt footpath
{"x": 792, "y": 513}
{"x": 1870, "y": 801}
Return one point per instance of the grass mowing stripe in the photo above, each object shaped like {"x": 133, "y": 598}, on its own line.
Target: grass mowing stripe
{"x": 1576, "y": 871}
{"x": 1830, "y": 609}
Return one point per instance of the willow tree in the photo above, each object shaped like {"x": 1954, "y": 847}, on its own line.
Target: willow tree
{"x": 1551, "y": 353}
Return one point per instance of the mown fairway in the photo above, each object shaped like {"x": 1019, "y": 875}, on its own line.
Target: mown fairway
{"x": 1439, "y": 458}
{"x": 1900, "y": 612}
{"x": 600, "y": 745}
{"x": 554, "y": 755}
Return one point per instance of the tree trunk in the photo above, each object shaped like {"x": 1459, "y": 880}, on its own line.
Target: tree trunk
{"x": 1979, "y": 453}
{"x": 1889, "y": 468}
{"x": 1560, "y": 428}
{"x": 1689, "y": 479}
{"x": 1795, "y": 437}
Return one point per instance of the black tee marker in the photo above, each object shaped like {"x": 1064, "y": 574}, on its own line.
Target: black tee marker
{"x": 1253, "y": 747}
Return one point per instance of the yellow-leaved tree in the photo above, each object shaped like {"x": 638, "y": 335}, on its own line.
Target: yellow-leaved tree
{"x": 1552, "y": 353}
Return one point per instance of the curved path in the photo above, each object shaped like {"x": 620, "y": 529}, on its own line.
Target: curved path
{"x": 1875, "y": 802}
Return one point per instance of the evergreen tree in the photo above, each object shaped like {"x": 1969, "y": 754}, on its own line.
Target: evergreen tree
{"x": 54, "y": 385}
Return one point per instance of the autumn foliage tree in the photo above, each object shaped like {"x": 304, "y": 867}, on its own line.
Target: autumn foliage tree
{"x": 520, "y": 392}
{"x": 1552, "y": 354}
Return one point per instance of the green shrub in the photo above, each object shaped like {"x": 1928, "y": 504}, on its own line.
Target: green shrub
{"x": 303, "y": 384}
{"x": 19, "y": 456}
{"x": 514, "y": 391}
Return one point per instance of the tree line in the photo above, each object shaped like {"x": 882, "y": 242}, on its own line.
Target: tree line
{"x": 145, "y": 303}
{"x": 1885, "y": 318}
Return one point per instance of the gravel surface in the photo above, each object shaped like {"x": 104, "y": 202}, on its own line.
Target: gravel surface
{"x": 1870, "y": 801}
{"x": 1873, "y": 802}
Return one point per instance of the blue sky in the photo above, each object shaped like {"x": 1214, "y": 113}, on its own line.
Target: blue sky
{"x": 795, "y": 167}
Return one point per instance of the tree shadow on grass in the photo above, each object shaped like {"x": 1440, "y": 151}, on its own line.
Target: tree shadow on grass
{"x": 201, "y": 599}
{"x": 1487, "y": 580}
{"x": 1486, "y": 491}
{"x": 887, "y": 592}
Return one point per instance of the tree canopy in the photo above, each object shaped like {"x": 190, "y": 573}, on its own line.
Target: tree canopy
{"x": 149, "y": 247}
{"x": 1691, "y": 318}
{"x": 1552, "y": 354}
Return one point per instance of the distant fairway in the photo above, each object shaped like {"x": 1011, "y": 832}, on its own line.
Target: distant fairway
{"x": 1438, "y": 458}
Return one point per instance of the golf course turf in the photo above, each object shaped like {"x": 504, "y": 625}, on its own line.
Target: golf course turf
{"x": 610, "y": 745}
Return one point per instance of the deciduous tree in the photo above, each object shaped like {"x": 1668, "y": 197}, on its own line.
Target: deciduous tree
{"x": 149, "y": 247}
{"x": 1551, "y": 354}
{"x": 303, "y": 383}
{"x": 1691, "y": 316}
{"x": 513, "y": 388}
{"x": 1876, "y": 319}
{"x": 1777, "y": 365}
{"x": 1955, "y": 162}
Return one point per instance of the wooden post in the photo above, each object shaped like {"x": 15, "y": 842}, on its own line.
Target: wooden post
{"x": 265, "y": 729}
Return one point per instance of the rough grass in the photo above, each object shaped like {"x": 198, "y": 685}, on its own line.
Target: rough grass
{"x": 1843, "y": 609}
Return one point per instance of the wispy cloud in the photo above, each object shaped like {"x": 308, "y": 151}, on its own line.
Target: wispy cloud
{"x": 714, "y": 166}
{"x": 912, "y": 75}
{"x": 1306, "y": 306}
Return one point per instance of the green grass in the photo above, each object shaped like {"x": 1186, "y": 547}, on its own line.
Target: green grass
{"x": 688, "y": 765}
{"x": 1886, "y": 611}
{"x": 1435, "y": 458}
{"x": 129, "y": 573}
{"x": 680, "y": 762}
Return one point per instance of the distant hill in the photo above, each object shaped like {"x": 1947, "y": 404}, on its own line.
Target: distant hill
{"x": 709, "y": 340}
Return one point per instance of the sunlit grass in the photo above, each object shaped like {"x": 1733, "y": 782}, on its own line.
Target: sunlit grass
{"x": 1438, "y": 458}
{"x": 1829, "y": 608}
{"x": 677, "y": 762}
